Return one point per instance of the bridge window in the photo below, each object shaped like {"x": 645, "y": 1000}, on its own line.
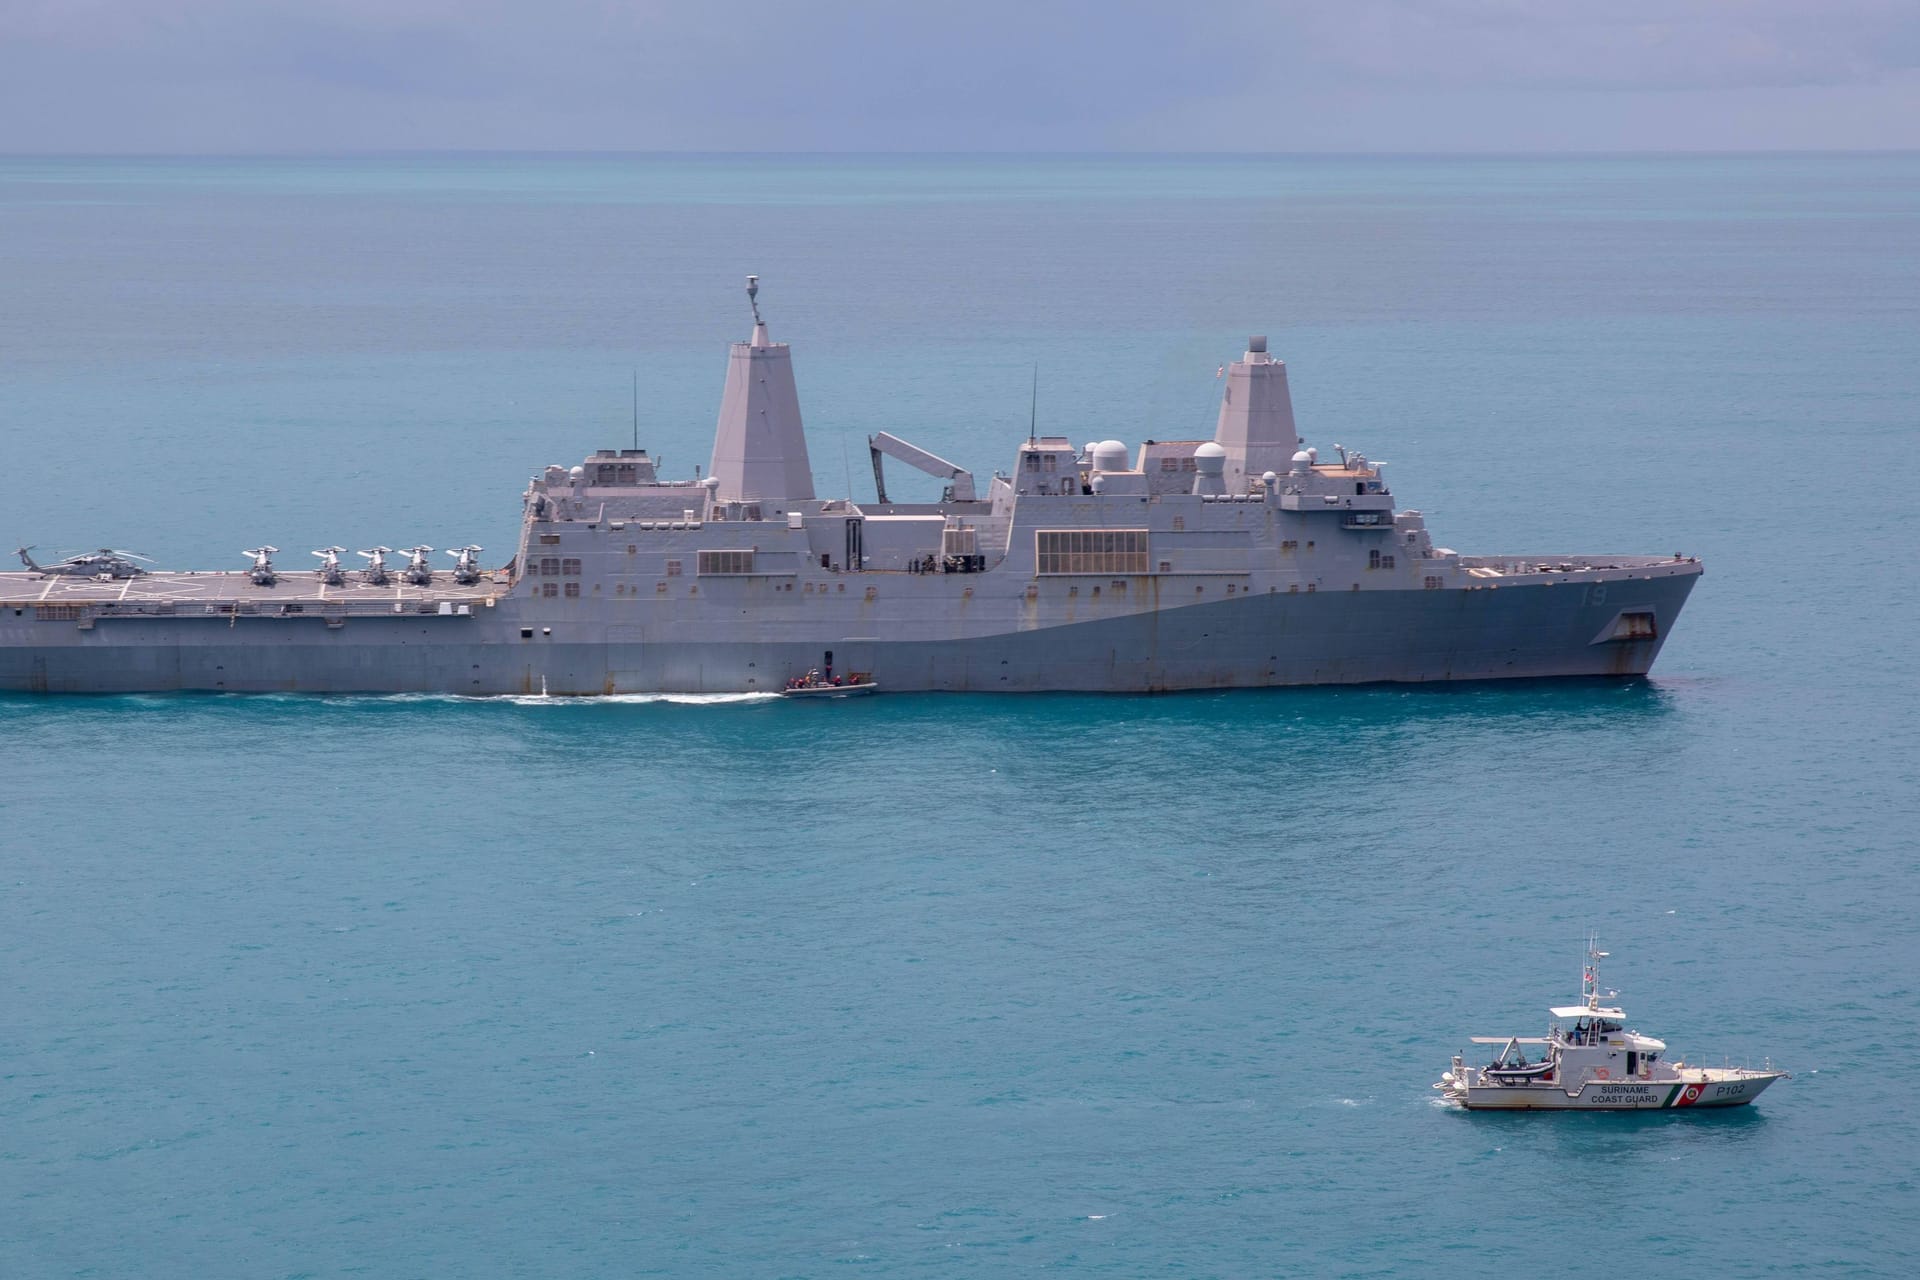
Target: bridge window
{"x": 1098, "y": 551}
{"x": 573, "y": 590}
{"x": 673, "y": 568}
{"x": 570, "y": 568}
{"x": 549, "y": 589}
{"x": 550, "y": 566}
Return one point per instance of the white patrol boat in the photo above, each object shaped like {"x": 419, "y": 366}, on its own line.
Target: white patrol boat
{"x": 1589, "y": 1061}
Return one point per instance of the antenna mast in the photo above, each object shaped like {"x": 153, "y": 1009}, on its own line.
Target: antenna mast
{"x": 753, "y": 299}
{"x": 636, "y": 408}
{"x": 1033, "y": 409}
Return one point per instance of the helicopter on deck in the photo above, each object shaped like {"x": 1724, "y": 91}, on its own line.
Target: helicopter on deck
{"x": 261, "y": 572}
{"x": 376, "y": 571}
{"x": 104, "y": 563}
{"x": 418, "y": 571}
{"x": 466, "y": 569}
{"x": 330, "y": 573}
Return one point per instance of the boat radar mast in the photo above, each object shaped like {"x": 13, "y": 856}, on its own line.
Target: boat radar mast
{"x": 1590, "y": 993}
{"x": 753, "y": 299}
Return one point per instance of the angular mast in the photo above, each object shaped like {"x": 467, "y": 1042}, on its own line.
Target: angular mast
{"x": 759, "y": 444}
{"x": 1256, "y": 418}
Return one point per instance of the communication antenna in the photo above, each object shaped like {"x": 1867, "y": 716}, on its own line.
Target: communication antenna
{"x": 1033, "y": 409}
{"x": 753, "y": 298}
{"x": 636, "y": 408}
{"x": 1214, "y": 391}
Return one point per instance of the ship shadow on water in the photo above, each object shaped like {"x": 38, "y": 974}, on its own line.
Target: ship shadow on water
{"x": 1236, "y": 735}
{"x": 1556, "y": 695}
{"x": 1600, "y": 1135}
{"x": 1600, "y": 702}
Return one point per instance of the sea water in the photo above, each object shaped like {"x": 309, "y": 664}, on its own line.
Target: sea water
{"x": 964, "y": 984}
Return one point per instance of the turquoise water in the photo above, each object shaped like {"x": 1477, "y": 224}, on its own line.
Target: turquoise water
{"x": 917, "y": 984}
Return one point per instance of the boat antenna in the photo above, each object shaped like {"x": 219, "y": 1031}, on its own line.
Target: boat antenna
{"x": 636, "y": 407}
{"x": 1033, "y": 409}
{"x": 753, "y": 298}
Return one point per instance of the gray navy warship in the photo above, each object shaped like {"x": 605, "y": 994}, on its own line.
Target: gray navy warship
{"x": 1245, "y": 560}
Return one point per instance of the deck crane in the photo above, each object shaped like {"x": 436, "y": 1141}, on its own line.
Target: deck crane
{"x": 959, "y": 479}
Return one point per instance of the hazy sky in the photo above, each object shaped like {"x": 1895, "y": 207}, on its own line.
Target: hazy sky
{"x": 1000, "y": 75}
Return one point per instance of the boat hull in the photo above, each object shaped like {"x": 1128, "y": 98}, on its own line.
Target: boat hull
{"x": 1695, "y": 1091}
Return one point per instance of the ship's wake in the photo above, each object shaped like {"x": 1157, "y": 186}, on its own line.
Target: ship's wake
{"x": 633, "y": 699}
{"x": 582, "y": 700}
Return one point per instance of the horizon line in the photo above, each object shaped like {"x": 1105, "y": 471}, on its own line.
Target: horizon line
{"x": 372, "y": 153}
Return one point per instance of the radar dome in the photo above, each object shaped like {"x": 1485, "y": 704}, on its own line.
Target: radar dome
{"x": 1110, "y": 455}
{"x": 1210, "y": 459}
{"x": 1302, "y": 462}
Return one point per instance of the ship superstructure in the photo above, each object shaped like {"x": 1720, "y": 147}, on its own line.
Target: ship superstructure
{"x": 1244, "y": 560}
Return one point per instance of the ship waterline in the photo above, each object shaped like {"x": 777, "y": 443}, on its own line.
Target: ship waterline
{"x": 1241, "y": 561}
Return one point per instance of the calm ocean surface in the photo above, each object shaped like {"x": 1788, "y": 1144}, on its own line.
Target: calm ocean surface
{"x": 966, "y": 985}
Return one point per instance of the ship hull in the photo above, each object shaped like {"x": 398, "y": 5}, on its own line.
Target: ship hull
{"x": 516, "y": 646}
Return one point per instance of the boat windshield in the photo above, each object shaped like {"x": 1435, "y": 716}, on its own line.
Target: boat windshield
{"x": 1588, "y": 1030}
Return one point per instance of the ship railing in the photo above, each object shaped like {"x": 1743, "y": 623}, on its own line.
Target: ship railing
{"x": 86, "y": 614}
{"x": 1516, "y": 566}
